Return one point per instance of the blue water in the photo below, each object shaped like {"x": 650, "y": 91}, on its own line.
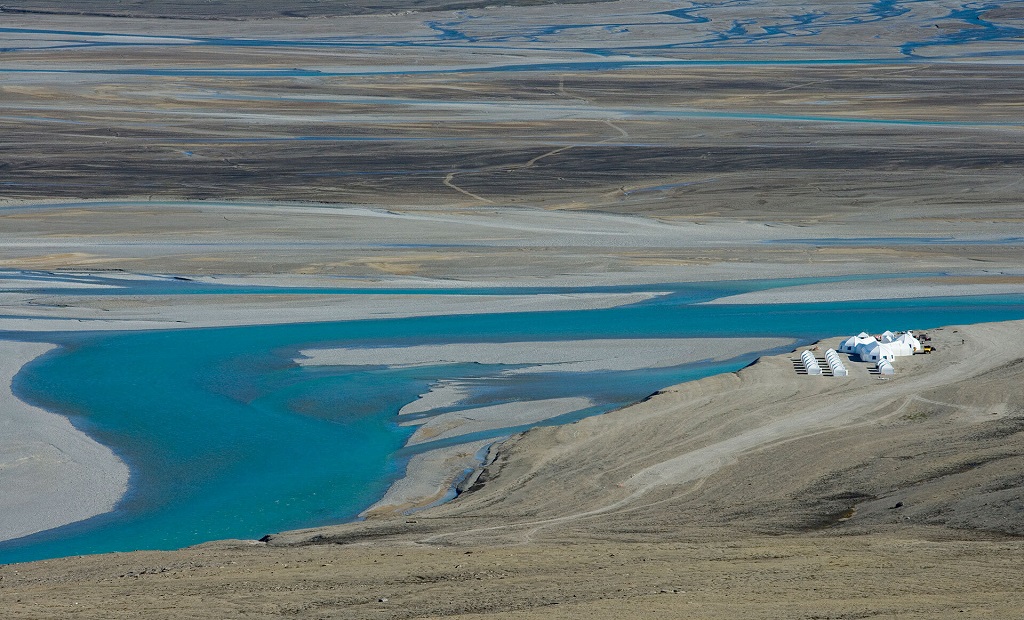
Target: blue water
{"x": 867, "y": 241}
{"x": 696, "y": 26}
{"x": 64, "y": 282}
{"x": 975, "y": 29}
{"x": 604, "y": 65}
{"x": 227, "y": 438}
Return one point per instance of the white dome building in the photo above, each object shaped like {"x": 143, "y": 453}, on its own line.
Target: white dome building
{"x": 875, "y": 352}
{"x": 849, "y": 346}
{"x": 911, "y": 341}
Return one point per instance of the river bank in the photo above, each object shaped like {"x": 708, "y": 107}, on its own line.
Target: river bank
{"x": 407, "y": 403}
{"x": 51, "y": 473}
{"x": 855, "y": 490}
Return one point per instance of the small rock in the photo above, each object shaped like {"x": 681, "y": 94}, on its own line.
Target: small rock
{"x": 382, "y": 599}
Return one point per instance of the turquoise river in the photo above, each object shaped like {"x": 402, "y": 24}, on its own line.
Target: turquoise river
{"x": 227, "y": 437}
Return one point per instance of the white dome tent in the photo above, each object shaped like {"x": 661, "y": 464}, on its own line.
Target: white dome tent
{"x": 880, "y": 350}
{"x": 875, "y": 352}
{"x": 899, "y": 348}
{"x": 849, "y": 346}
{"x": 909, "y": 339}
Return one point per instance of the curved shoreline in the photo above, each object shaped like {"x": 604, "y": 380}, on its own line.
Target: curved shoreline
{"x": 51, "y": 474}
{"x": 890, "y": 508}
{"x": 877, "y": 289}
{"x": 422, "y": 486}
{"x": 689, "y": 447}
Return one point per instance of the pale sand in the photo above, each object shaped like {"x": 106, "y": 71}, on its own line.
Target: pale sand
{"x": 419, "y": 488}
{"x": 429, "y": 478}
{"x": 29, "y": 313}
{"x": 24, "y": 284}
{"x": 51, "y": 474}
{"x": 458, "y": 423}
{"x": 550, "y": 356}
{"x": 453, "y": 246}
{"x": 444, "y": 393}
{"x": 876, "y": 289}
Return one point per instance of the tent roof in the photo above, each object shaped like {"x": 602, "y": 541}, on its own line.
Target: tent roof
{"x": 861, "y": 337}
{"x": 871, "y": 346}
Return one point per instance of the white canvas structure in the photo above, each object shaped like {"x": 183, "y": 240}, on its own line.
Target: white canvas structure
{"x": 810, "y": 363}
{"x": 849, "y": 346}
{"x": 900, "y": 348}
{"x": 875, "y": 352}
{"x": 908, "y": 339}
{"x": 836, "y": 364}
{"x": 885, "y": 368}
{"x": 888, "y": 336}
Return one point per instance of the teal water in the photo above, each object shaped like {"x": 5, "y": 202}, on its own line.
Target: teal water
{"x": 227, "y": 438}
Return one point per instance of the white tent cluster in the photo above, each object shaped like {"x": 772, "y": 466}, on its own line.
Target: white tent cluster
{"x": 882, "y": 350}
{"x": 812, "y": 367}
{"x": 904, "y": 344}
{"x": 810, "y": 363}
{"x": 836, "y": 364}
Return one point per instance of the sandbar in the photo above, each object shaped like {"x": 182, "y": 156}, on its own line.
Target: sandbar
{"x": 429, "y": 478}
{"x": 419, "y": 487}
{"x": 876, "y": 289}
{"x": 443, "y": 393}
{"x": 549, "y": 356}
{"x": 477, "y": 419}
{"x": 62, "y": 313}
{"x": 51, "y": 474}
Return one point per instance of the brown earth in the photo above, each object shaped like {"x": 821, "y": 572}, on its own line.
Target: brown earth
{"x": 719, "y": 141}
